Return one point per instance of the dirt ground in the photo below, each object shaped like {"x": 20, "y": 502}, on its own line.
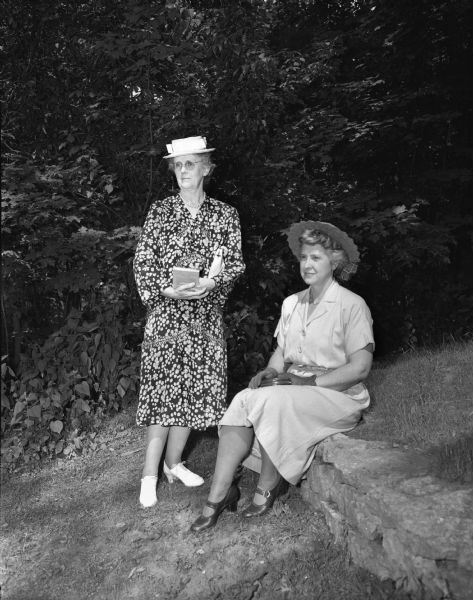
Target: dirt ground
{"x": 74, "y": 529}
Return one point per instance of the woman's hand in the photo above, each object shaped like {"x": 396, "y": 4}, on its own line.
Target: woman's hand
{"x": 186, "y": 291}
{"x": 297, "y": 380}
{"x": 267, "y": 373}
{"x": 207, "y": 283}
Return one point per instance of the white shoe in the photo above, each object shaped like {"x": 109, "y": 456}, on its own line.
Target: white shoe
{"x": 148, "y": 491}
{"x": 182, "y": 473}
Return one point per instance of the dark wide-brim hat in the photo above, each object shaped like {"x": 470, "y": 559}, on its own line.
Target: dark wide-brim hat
{"x": 296, "y": 230}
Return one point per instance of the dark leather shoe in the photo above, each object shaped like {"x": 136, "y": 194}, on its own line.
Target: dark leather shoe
{"x": 257, "y": 510}
{"x": 229, "y": 502}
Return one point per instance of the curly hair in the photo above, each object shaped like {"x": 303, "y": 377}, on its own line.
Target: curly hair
{"x": 337, "y": 254}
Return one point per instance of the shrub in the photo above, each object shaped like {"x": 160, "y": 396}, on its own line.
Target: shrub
{"x": 83, "y": 371}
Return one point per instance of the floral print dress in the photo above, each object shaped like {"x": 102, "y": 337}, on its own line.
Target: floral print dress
{"x": 184, "y": 362}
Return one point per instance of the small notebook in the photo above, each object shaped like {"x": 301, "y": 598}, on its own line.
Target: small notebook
{"x": 181, "y": 275}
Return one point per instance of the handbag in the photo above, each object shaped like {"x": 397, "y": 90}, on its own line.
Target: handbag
{"x": 278, "y": 380}
{"x": 218, "y": 264}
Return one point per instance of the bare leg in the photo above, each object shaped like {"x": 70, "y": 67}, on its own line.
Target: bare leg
{"x": 156, "y": 436}
{"x": 177, "y": 440}
{"x": 269, "y": 476}
{"x": 233, "y": 447}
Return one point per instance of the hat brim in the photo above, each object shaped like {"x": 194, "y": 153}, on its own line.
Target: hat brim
{"x": 296, "y": 230}
{"x": 174, "y": 154}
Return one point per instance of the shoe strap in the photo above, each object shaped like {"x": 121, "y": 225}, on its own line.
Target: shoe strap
{"x": 264, "y": 493}
{"x": 216, "y": 505}
{"x": 183, "y": 466}
{"x": 268, "y": 493}
{"x": 183, "y": 462}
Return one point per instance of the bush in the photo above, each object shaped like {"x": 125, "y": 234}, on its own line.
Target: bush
{"x": 83, "y": 371}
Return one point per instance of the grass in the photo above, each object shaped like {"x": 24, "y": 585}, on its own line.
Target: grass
{"x": 425, "y": 400}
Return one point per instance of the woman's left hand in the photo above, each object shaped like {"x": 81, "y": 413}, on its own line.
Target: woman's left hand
{"x": 206, "y": 283}
{"x": 190, "y": 291}
{"x": 296, "y": 380}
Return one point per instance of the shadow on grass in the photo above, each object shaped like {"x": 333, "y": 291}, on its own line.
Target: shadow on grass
{"x": 454, "y": 459}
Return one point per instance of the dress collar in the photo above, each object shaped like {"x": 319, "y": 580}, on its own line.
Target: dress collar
{"x": 330, "y": 294}
{"x": 182, "y": 206}
{"x": 324, "y": 305}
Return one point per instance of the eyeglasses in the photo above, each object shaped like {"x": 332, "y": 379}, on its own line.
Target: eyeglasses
{"x": 189, "y": 165}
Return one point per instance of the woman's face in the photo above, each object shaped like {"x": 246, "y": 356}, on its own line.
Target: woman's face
{"x": 316, "y": 265}
{"x": 190, "y": 171}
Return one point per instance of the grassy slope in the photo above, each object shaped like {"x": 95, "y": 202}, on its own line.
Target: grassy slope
{"x": 425, "y": 400}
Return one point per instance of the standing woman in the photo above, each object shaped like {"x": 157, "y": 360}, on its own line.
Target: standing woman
{"x": 184, "y": 363}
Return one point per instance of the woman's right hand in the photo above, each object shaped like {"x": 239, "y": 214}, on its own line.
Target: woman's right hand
{"x": 186, "y": 291}
{"x": 267, "y": 373}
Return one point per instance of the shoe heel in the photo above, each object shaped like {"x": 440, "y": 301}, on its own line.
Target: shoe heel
{"x": 169, "y": 476}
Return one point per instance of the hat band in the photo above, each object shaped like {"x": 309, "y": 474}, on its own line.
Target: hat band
{"x": 187, "y": 145}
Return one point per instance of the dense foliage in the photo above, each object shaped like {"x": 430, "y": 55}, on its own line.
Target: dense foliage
{"x": 358, "y": 113}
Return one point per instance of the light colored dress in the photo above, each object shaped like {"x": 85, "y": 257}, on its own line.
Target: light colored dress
{"x": 289, "y": 420}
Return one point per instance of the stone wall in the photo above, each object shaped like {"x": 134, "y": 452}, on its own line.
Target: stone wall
{"x": 396, "y": 520}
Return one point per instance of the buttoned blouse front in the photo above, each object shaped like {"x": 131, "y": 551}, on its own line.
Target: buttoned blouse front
{"x": 339, "y": 325}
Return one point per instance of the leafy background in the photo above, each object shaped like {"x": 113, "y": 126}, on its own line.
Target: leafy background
{"x": 354, "y": 112}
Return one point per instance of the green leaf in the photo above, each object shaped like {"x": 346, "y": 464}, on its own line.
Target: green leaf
{"x": 125, "y": 382}
{"x": 5, "y": 401}
{"x": 34, "y": 412}
{"x": 19, "y": 406}
{"x": 56, "y": 426}
{"x": 82, "y": 388}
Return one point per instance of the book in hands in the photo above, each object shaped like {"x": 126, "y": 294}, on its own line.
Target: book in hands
{"x": 184, "y": 275}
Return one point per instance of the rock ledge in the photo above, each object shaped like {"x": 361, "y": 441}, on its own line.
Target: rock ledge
{"x": 395, "y": 519}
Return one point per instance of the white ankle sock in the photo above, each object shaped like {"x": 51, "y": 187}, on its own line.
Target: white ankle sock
{"x": 148, "y": 491}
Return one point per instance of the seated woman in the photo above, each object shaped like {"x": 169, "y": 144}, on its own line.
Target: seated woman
{"x": 324, "y": 351}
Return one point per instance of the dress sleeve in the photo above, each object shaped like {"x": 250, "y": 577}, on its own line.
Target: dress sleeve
{"x": 287, "y": 308}
{"x": 234, "y": 265}
{"x": 280, "y": 331}
{"x": 150, "y": 273}
{"x": 358, "y": 328}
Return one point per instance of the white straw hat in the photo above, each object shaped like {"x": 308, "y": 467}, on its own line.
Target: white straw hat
{"x": 189, "y": 145}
